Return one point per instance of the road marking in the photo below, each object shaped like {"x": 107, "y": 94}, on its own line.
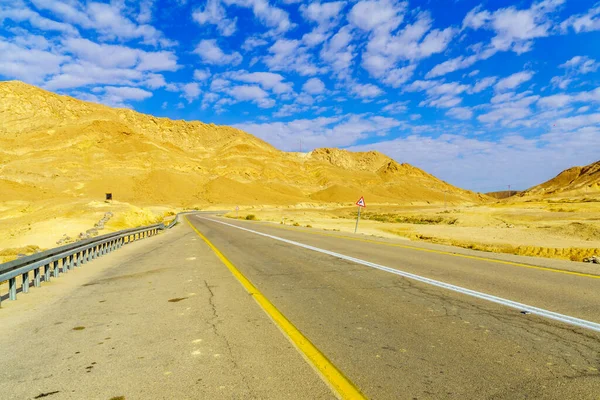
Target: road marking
{"x": 332, "y": 376}
{"x": 484, "y": 296}
{"x": 448, "y": 253}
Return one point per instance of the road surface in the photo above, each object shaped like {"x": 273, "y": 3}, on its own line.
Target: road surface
{"x": 165, "y": 318}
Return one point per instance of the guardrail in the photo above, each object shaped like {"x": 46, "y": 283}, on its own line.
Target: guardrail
{"x": 66, "y": 258}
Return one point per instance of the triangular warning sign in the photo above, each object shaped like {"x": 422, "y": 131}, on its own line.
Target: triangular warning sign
{"x": 361, "y": 202}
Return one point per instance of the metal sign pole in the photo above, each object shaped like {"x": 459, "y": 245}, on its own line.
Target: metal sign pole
{"x": 357, "y": 219}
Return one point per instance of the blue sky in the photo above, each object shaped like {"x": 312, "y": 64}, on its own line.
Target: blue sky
{"x": 482, "y": 94}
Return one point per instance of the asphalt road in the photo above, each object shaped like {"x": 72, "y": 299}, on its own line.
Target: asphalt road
{"x": 396, "y": 338}
{"x": 393, "y": 337}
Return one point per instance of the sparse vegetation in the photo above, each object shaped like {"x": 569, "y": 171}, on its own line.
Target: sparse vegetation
{"x": 250, "y": 217}
{"x": 419, "y": 220}
{"x": 296, "y": 224}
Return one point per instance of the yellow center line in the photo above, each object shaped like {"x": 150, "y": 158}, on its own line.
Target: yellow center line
{"x": 342, "y": 386}
{"x": 447, "y": 253}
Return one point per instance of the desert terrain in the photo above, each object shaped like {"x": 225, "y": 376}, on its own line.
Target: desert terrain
{"x": 59, "y": 157}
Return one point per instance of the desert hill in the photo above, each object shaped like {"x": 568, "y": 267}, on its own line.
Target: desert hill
{"x": 572, "y": 182}
{"x": 54, "y": 146}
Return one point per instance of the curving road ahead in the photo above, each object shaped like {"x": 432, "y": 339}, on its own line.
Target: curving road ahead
{"x": 180, "y": 325}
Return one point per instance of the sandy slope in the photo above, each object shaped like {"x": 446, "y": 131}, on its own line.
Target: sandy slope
{"x": 575, "y": 182}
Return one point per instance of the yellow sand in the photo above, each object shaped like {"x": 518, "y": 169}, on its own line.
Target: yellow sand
{"x": 532, "y": 229}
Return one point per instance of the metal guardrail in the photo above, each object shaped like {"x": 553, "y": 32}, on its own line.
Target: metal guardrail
{"x": 66, "y": 258}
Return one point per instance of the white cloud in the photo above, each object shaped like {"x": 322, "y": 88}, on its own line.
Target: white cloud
{"x": 587, "y": 22}
{"x": 271, "y": 16}
{"x": 365, "y": 90}
{"x": 483, "y": 84}
{"x": 324, "y": 14}
{"x": 154, "y": 81}
{"x": 191, "y": 91}
{"x": 211, "y": 53}
{"x": 563, "y": 100}
{"x": 314, "y": 86}
{"x": 111, "y": 56}
{"x": 251, "y": 93}
{"x": 398, "y": 107}
{"x": 22, "y": 14}
{"x": 267, "y": 80}
{"x": 127, "y": 93}
{"x": 513, "y": 81}
{"x": 581, "y": 65}
{"x": 509, "y": 109}
{"x": 28, "y": 64}
{"x": 412, "y": 43}
{"x": 561, "y": 82}
{"x": 473, "y": 73}
{"x": 322, "y": 131}
{"x": 514, "y": 28}
{"x": 463, "y": 113}
{"x": 338, "y": 53}
{"x": 145, "y": 14}
{"x": 83, "y": 73}
{"x": 289, "y": 55}
{"x": 377, "y": 14}
{"x": 253, "y": 42}
{"x": 460, "y": 62}
{"x": 439, "y": 94}
{"x": 201, "y": 74}
{"x": 213, "y": 13}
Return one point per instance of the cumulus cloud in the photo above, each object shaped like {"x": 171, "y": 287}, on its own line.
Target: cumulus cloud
{"x": 463, "y": 113}
{"x": 514, "y": 30}
{"x": 513, "y": 81}
{"x": 586, "y": 22}
{"x": 314, "y": 86}
{"x": 365, "y": 90}
{"x": 213, "y": 13}
{"x": 322, "y": 131}
{"x": 483, "y": 84}
{"x": 211, "y": 53}
{"x": 269, "y": 15}
{"x": 290, "y": 55}
{"x": 438, "y": 93}
{"x": 191, "y": 91}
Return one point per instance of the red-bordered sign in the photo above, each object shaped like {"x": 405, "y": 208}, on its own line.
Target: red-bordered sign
{"x": 361, "y": 202}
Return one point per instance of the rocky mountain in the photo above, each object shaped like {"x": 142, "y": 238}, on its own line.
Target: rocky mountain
{"x": 58, "y": 147}
{"x": 575, "y": 181}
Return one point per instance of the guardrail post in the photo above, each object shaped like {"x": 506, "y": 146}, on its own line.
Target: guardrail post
{"x": 71, "y": 262}
{"x": 75, "y": 260}
{"x": 12, "y": 288}
{"x": 25, "y": 282}
{"x": 56, "y": 272}
{"x": 37, "y": 281}
{"x": 47, "y": 273}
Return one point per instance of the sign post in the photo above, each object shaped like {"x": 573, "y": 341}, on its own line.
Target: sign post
{"x": 360, "y": 203}
{"x": 237, "y": 209}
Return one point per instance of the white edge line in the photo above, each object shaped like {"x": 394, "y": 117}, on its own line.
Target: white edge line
{"x": 582, "y": 323}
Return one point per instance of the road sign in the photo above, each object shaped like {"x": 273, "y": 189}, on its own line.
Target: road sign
{"x": 237, "y": 208}
{"x": 361, "y": 202}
